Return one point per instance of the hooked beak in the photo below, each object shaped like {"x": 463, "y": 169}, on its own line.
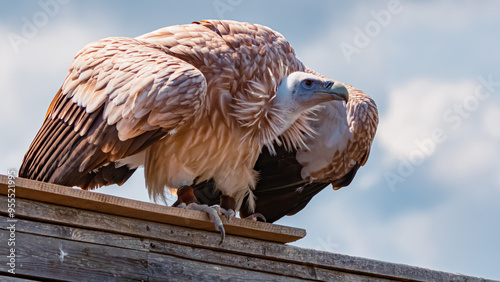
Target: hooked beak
{"x": 332, "y": 91}
{"x": 339, "y": 92}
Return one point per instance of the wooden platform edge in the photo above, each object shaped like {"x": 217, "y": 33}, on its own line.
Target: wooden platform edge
{"x": 60, "y": 242}
{"x": 107, "y": 247}
{"x": 88, "y": 200}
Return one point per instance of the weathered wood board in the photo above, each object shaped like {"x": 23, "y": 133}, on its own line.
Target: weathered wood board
{"x": 61, "y": 242}
{"x": 60, "y": 251}
{"x": 88, "y": 200}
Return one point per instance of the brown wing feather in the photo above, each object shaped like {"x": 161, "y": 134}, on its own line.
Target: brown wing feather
{"x": 120, "y": 96}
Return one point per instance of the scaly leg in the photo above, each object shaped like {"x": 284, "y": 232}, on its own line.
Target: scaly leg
{"x": 186, "y": 199}
{"x": 227, "y": 207}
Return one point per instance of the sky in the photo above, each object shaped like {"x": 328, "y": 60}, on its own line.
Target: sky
{"x": 428, "y": 195}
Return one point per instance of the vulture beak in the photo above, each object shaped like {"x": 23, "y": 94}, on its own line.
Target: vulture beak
{"x": 337, "y": 90}
{"x": 331, "y": 91}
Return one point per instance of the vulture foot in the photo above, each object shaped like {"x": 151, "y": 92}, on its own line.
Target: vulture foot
{"x": 187, "y": 200}
{"x": 227, "y": 213}
{"x": 214, "y": 217}
{"x": 227, "y": 206}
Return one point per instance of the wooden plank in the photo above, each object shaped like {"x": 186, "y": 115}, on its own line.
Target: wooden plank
{"x": 67, "y": 196}
{"x": 52, "y": 258}
{"x": 360, "y": 268}
{"x": 41, "y": 256}
{"x": 115, "y": 224}
{"x": 165, "y": 267}
{"x": 233, "y": 244}
{"x": 17, "y": 278}
{"x": 295, "y": 270}
{"x": 81, "y": 234}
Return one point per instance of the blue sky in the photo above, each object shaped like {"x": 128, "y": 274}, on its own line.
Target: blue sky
{"x": 429, "y": 193}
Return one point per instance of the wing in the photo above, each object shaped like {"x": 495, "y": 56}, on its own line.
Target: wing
{"x": 281, "y": 190}
{"x": 120, "y": 96}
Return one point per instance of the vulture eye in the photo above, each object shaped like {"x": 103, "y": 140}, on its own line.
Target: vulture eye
{"x": 308, "y": 83}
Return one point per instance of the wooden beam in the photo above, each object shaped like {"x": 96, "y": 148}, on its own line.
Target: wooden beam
{"x": 53, "y": 258}
{"x": 88, "y": 200}
{"x": 187, "y": 252}
{"x": 157, "y": 252}
{"x": 167, "y": 239}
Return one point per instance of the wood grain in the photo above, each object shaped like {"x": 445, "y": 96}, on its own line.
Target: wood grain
{"x": 165, "y": 259}
{"x": 106, "y": 247}
{"x": 52, "y": 258}
{"x": 296, "y": 270}
{"x": 87, "y": 200}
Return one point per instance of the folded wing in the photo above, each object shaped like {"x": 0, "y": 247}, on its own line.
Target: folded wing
{"x": 120, "y": 96}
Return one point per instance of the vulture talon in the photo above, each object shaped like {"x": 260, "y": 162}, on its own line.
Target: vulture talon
{"x": 230, "y": 214}
{"x": 218, "y": 209}
{"x": 214, "y": 217}
{"x": 222, "y": 234}
{"x": 256, "y": 216}
{"x": 227, "y": 213}
{"x": 187, "y": 200}
{"x": 181, "y": 206}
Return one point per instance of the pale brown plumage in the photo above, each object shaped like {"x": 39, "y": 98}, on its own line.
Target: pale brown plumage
{"x": 344, "y": 137}
{"x": 195, "y": 102}
{"x": 101, "y": 114}
{"x": 345, "y": 133}
{"x": 290, "y": 179}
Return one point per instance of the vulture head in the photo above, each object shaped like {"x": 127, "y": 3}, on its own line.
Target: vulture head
{"x": 301, "y": 91}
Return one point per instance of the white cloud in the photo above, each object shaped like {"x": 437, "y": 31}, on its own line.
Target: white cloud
{"x": 490, "y": 120}
{"x": 461, "y": 161}
{"x": 7, "y": 84}
{"x": 366, "y": 177}
{"x": 448, "y": 15}
{"x": 29, "y": 80}
{"x": 415, "y": 110}
{"x": 351, "y": 229}
{"x": 470, "y": 147}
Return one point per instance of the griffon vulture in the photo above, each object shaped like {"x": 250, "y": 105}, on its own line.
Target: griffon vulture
{"x": 190, "y": 102}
